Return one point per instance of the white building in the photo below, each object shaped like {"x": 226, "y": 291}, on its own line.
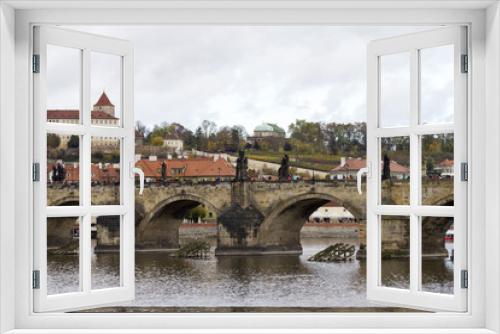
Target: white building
{"x": 348, "y": 169}
{"x": 176, "y": 145}
{"x": 102, "y": 114}
{"x": 331, "y": 213}
{"x": 446, "y": 168}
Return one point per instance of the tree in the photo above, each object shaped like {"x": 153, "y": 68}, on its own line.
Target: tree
{"x": 235, "y": 140}
{"x": 74, "y": 141}
{"x": 346, "y": 138}
{"x": 157, "y": 141}
{"x": 287, "y": 147}
{"x": 200, "y": 141}
{"x": 140, "y": 128}
{"x": 310, "y": 133}
{"x": 197, "y": 212}
{"x": 208, "y": 127}
{"x": 223, "y": 139}
{"x": 53, "y": 140}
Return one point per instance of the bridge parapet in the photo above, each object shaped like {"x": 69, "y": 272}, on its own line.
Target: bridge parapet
{"x": 281, "y": 208}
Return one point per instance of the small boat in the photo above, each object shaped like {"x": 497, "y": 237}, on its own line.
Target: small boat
{"x": 449, "y": 235}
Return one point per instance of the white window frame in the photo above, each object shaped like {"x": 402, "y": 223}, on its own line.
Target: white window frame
{"x": 87, "y": 132}
{"x": 15, "y": 165}
{"x": 411, "y": 44}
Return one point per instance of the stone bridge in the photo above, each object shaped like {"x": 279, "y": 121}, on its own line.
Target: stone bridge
{"x": 257, "y": 217}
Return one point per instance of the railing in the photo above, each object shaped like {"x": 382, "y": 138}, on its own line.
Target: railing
{"x": 187, "y": 182}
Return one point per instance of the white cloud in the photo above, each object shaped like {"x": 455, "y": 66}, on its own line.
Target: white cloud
{"x": 244, "y": 74}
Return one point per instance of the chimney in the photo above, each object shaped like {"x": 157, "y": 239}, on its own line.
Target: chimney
{"x": 137, "y": 157}
{"x": 152, "y": 158}
{"x": 342, "y": 161}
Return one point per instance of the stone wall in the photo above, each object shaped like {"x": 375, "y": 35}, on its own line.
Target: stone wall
{"x": 263, "y": 215}
{"x": 330, "y": 231}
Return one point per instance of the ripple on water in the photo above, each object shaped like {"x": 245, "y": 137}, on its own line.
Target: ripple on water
{"x": 162, "y": 280}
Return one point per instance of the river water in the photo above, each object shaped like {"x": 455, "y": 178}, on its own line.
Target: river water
{"x": 279, "y": 280}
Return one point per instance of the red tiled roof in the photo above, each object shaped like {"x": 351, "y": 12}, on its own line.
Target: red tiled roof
{"x": 353, "y": 165}
{"x": 446, "y": 163}
{"x": 63, "y": 114}
{"x": 191, "y": 167}
{"x": 103, "y": 101}
{"x": 396, "y": 167}
{"x": 72, "y": 172}
{"x": 75, "y": 114}
{"x": 105, "y": 174}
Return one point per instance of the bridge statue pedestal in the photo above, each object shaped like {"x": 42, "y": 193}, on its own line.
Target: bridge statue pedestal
{"x": 238, "y": 226}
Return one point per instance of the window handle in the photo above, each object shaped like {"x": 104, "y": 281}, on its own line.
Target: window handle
{"x": 359, "y": 176}
{"x": 135, "y": 170}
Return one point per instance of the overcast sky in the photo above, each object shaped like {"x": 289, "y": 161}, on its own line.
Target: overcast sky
{"x": 238, "y": 75}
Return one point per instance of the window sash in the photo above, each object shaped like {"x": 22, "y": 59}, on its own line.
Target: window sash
{"x": 85, "y": 296}
{"x": 412, "y": 44}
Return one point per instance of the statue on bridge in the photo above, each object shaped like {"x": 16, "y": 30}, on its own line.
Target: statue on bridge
{"x": 163, "y": 170}
{"x": 386, "y": 168}
{"x": 241, "y": 167}
{"x": 284, "y": 170}
{"x": 58, "y": 172}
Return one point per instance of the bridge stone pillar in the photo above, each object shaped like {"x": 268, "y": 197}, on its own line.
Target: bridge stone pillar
{"x": 238, "y": 226}
{"x": 60, "y": 238}
{"x": 161, "y": 232}
{"x": 240, "y": 194}
{"x": 108, "y": 234}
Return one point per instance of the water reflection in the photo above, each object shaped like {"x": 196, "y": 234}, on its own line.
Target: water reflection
{"x": 162, "y": 280}
{"x": 437, "y": 273}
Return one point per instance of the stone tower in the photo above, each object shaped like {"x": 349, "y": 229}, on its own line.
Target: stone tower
{"x": 104, "y": 105}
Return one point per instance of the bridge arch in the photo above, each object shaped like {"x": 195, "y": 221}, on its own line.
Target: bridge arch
{"x": 434, "y": 229}
{"x": 179, "y": 203}
{"x": 280, "y": 229}
{"x": 159, "y": 227}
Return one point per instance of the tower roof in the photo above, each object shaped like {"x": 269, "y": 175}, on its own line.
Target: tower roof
{"x": 103, "y": 101}
{"x": 269, "y": 127}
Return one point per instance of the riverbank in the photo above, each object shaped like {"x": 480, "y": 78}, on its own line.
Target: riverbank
{"x": 310, "y": 230}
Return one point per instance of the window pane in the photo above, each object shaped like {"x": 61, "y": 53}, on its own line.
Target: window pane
{"x": 105, "y": 88}
{"x": 106, "y": 257}
{"x": 63, "y": 84}
{"x": 395, "y": 171}
{"x": 395, "y": 251}
{"x": 395, "y": 90}
{"x": 437, "y": 169}
{"x": 437, "y": 254}
{"x": 105, "y": 171}
{"x": 63, "y": 248}
{"x": 436, "y": 85}
{"x": 63, "y": 172}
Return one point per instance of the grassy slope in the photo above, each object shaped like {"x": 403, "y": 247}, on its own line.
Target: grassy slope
{"x": 323, "y": 162}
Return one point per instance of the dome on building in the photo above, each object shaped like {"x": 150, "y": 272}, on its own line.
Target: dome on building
{"x": 264, "y": 127}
